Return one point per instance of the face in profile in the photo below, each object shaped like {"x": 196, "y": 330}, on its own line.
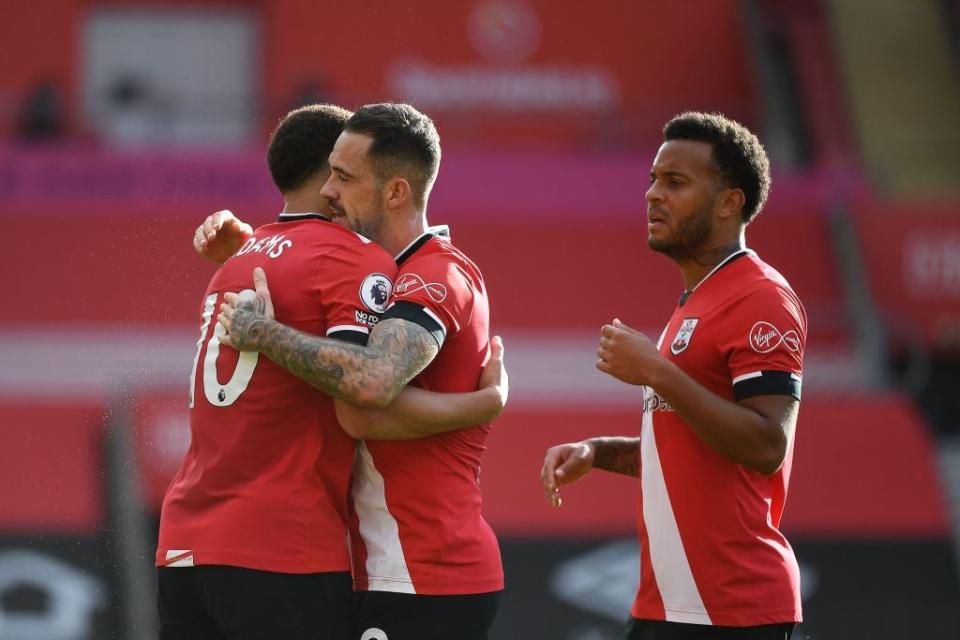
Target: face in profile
{"x": 353, "y": 189}
{"x": 680, "y": 201}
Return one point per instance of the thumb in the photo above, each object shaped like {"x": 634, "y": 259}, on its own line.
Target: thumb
{"x": 260, "y": 281}
{"x": 496, "y": 347}
{"x": 623, "y": 327}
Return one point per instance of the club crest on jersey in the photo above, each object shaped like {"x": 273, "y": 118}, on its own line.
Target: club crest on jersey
{"x": 764, "y": 338}
{"x": 375, "y": 291}
{"x": 682, "y": 339}
{"x": 410, "y": 283}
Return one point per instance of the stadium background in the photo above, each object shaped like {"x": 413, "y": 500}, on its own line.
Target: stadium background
{"x": 124, "y": 123}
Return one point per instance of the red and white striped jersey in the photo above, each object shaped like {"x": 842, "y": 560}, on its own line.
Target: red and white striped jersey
{"x": 264, "y": 484}
{"x": 418, "y": 525}
{"x": 711, "y": 548}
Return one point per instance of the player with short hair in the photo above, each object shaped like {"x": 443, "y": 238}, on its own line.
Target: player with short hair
{"x": 425, "y": 561}
{"x": 721, "y": 389}
{"x": 253, "y": 529}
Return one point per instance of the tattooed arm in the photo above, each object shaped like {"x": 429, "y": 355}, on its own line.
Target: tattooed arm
{"x": 566, "y": 463}
{"x": 417, "y": 413}
{"x": 366, "y": 376}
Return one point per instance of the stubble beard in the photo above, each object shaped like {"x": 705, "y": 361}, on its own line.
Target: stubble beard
{"x": 688, "y": 239}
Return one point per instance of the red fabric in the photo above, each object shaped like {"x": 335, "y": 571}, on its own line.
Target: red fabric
{"x": 432, "y": 485}
{"x": 264, "y": 483}
{"x": 701, "y": 509}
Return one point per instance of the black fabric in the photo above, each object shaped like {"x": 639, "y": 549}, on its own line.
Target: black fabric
{"x": 661, "y": 630}
{"x": 294, "y": 217}
{"x": 412, "y": 249}
{"x": 732, "y": 258}
{"x": 768, "y": 383}
{"x": 213, "y": 602}
{"x": 350, "y": 335}
{"x": 405, "y": 616}
{"x": 415, "y": 313}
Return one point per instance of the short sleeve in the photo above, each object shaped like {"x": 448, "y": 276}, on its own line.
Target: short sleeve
{"x": 355, "y": 284}
{"x": 435, "y": 293}
{"x": 765, "y": 333}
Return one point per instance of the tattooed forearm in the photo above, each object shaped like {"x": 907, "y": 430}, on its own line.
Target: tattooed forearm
{"x": 404, "y": 348}
{"x": 366, "y": 376}
{"x": 619, "y": 455}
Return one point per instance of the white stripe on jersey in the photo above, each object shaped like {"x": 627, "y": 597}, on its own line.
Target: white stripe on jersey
{"x": 437, "y": 318}
{"x": 748, "y": 376}
{"x": 681, "y": 599}
{"x": 180, "y": 557}
{"x": 348, "y": 327}
{"x": 386, "y": 565}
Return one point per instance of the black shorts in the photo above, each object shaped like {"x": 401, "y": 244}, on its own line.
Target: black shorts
{"x": 660, "y": 630}
{"x": 213, "y": 602}
{"x": 383, "y": 615}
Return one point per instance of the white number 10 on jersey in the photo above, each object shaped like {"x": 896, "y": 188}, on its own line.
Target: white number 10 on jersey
{"x": 217, "y": 394}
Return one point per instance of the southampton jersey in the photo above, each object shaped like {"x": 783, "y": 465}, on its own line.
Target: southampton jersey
{"x": 711, "y": 548}
{"x": 418, "y": 521}
{"x": 264, "y": 484}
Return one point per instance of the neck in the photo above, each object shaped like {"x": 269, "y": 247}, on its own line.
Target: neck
{"x": 298, "y": 202}
{"x": 404, "y": 229}
{"x": 697, "y": 266}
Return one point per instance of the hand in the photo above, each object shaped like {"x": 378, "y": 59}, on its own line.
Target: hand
{"x": 244, "y": 314}
{"x": 220, "y": 236}
{"x": 565, "y": 463}
{"x": 628, "y": 355}
{"x": 494, "y": 374}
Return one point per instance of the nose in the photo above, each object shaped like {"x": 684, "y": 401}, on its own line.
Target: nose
{"x": 653, "y": 194}
{"x": 327, "y": 191}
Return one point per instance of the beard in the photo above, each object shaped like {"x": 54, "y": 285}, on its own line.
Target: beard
{"x": 688, "y": 238}
{"x": 370, "y": 225}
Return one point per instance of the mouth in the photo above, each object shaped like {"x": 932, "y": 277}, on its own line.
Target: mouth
{"x": 655, "y": 221}
{"x": 655, "y": 217}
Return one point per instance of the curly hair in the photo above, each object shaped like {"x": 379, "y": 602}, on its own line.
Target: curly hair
{"x": 740, "y": 159}
{"x": 300, "y": 146}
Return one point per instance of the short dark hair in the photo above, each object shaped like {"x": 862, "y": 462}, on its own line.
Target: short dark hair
{"x": 405, "y": 143}
{"x": 738, "y": 155}
{"x": 300, "y": 146}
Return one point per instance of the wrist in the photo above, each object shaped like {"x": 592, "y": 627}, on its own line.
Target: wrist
{"x": 661, "y": 374}
{"x": 495, "y": 401}
{"x": 260, "y": 331}
{"x": 591, "y": 445}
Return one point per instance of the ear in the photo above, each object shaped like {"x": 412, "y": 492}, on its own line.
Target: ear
{"x": 730, "y": 203}
{"x": 396, "y": 192}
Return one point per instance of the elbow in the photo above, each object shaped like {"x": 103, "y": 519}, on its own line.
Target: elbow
{"x": 371, "y": 398}
{"x": 357, "y": 429}
{"x": 770, "y": 461}
{"x": 355, "y": 423}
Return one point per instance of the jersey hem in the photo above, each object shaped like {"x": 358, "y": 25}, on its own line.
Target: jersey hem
{"x": 259, "y": 563}
{"x": 722, "y": 619}
{"x": 401, "y": 585}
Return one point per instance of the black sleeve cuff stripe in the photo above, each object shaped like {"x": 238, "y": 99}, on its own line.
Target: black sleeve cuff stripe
{"x": 345, "y": 335}
{"x": 775, "y": 383}
{"x": 416, "y": 313}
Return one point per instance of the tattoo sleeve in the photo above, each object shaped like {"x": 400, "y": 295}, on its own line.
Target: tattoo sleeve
{"x": 370, "y": 375}
{"x": 619, "y": 455}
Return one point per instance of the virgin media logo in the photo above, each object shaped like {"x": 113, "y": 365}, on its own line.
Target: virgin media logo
{"x": 411, "y": 283}
{"x": 764, "y": 338}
